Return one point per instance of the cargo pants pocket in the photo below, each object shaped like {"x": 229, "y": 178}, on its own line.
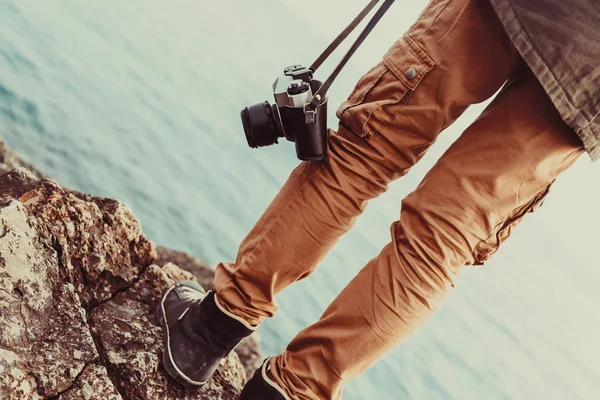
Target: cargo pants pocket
{"x": 385, "y": 89}
{"x": 486, "y": 248}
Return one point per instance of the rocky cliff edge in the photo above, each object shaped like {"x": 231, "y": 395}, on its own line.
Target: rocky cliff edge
{"x": 79, "y": 284}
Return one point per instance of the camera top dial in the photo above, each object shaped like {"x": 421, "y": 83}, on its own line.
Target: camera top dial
{"x": 299, "y": 93}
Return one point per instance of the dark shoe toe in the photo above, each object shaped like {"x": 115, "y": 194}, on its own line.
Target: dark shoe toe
{"x": 171, "y": 311}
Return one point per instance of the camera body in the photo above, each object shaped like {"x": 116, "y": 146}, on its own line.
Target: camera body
{"x": 293, "y": 116}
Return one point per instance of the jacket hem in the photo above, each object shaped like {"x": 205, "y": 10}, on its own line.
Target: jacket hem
{"x": 582, "y": 126}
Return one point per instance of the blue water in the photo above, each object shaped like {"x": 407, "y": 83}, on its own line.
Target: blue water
{"x": 139, "y": 100}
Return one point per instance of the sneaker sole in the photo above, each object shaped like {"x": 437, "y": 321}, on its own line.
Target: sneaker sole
{"x": 167, "y": 356}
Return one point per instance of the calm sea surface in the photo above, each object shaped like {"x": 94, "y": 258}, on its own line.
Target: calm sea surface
{"x": 139, "y": 100}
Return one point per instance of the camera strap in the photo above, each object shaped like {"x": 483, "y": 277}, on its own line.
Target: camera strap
{"x": 320, "y": 94}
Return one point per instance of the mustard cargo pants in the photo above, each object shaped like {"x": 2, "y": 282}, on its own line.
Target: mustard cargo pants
{"x": 500, "y": 169}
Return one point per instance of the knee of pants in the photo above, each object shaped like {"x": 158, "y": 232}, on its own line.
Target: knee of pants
{"x": 435, "y": 235}
{"x": 445, "y": 227}
{"x": 355, "y": 167}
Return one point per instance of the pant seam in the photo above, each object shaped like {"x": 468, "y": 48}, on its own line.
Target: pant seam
{"x": 527, "y": 206}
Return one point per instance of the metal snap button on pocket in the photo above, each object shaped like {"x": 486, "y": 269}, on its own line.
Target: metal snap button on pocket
{"x": 410, "y": 73}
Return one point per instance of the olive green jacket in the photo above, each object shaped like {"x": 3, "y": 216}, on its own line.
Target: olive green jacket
{"x": 560, "y": 41}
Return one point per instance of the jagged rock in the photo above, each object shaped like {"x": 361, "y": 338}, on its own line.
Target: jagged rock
{"x": 10, "y": 160}
{"x": 99, "y": 242}
{"x": 201, "y": 271}
{"x": 249, "y": 350}
{"x": 44, "y": 339}
{"x": 130, "y": 343}
{"x": 92, "y": 384}
{"x": 65, "y": 256}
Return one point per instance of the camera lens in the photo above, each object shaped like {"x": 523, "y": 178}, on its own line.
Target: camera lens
{"x": 262, "y": 124}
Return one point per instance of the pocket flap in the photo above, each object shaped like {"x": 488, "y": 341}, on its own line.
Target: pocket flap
{"x": 404, "y": 55}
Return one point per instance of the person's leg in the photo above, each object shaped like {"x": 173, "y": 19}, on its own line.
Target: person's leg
{"x": 457, "y": 54}
{"x": 500, "y": 169}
